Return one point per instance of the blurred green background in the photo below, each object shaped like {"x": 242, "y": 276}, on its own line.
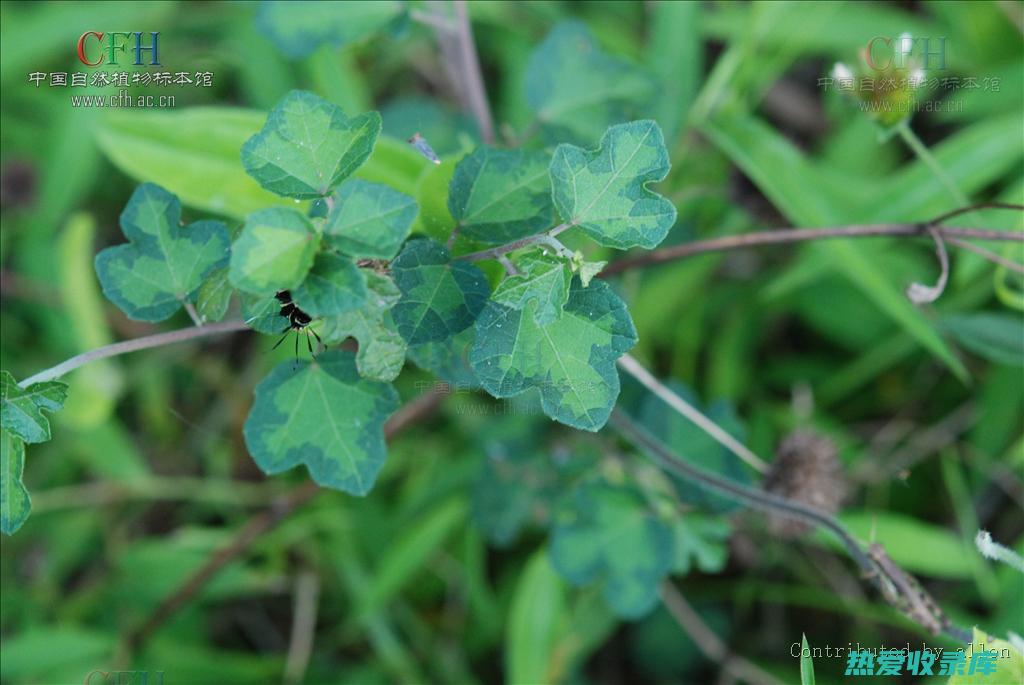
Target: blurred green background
{"x": 440, "y": 574}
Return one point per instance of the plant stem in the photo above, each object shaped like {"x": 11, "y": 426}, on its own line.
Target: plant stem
{"x": 988, "y": 254}
{"x": 193, "y": 314}
{"x": 495, "y": 252}
{"x": 776, "y": 236}
{"x": 434, "y": 20}
{"x": 924, "y": 154}
{"x": 708, "y": 642}
{"x": 752, "y": 497}
{"x": 158, "y": 340}
{"x": 757, "y": 499}
{"x": 794, "y": 235}
{"x": 631, "y": 366}
{"x": 472, "y": 77}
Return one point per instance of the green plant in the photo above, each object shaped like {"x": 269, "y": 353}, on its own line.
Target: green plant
{"x": 491, "y": 271}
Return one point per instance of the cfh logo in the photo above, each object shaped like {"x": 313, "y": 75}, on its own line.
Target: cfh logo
{"x": 905, "y": 51}
{"x": 99, "y": 677}
{"x": 96, "y": 48}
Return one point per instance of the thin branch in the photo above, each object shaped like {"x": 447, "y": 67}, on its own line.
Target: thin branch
{"x": 761, "y": 500}
{"x": 510, "y": 268}
{"x": 158, "y": 340}
{"x": 708, "y": 642}
{"x": 969, "y": 209}
{"x": 794, "y": 235}
{"x": 260, "y": 524}
{"x": 1002, "y": 261}
{"x": 434, "y": 20}
{"x": 472, "y": 76}
{"x": 631, "y": 366}
{"x": 495, "y": 252}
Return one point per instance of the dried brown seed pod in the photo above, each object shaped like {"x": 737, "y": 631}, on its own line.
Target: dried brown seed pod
{"x": 806, "y": 469}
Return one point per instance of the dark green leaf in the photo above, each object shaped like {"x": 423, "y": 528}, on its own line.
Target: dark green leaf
{"x": 700, "y": 541}
{"x": 439, "y": 297}
{"x": 497, "y": 196}
{"x": 541, "y": 280}
{"x": 606, "y": 534}
{"x": 333, "y": 286}
{"x": 274, "y": 252}
{"x": 214, "y": 295}
{"x": 381, "y": 349}
{"x": 323, "y": 415}
{"x": 20, "y": 408}
{"x": 369, "y": 220}
{"x": 299, "y": 28}
{"x": 521, "y": 477}
{"x": 577, "y": 90}
{"x": 263, "y": 313}
{"x": 15, "y": 502}
{"x": 571, "y": 360}
{"x": 308, "y": 146}
{"x": 604, "y": 191}
{"x": 448, "y": 359}
{"x": 164, "y": 264}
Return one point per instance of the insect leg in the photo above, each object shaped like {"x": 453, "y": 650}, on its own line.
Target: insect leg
{"x": 309, "y": 344}
{"x": 317, "y": 338}
{"x": 278, "y": 343}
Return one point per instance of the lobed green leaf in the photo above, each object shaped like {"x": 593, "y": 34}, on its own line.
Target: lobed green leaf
{"x": 308, "y": 146}
{"x": 214, "y": 295}
{"x": 21, "y": 408}
{"x": 369, "y": 220}
{"x": 606, "y": 534}
{"x": 15, "y": 503}
{"x": 274, "y": 252}
{"x": 570, "y": 360}
{"x": 262, "y": 313}
{"x": 440, "y": 297}
{"x": 333, "y": 286}
{"x": 163, "y": 264}
{"x": 604, "y": 191}
{"x": 448, "y": 359}
{"x": 323, "y": 415}
{"x": 497, "y": 196}
{"x": 299, "y": 28}
{"x": 543, "y": 280}
{"x": 577, "y": 90}
{"x": 382, "y": 349}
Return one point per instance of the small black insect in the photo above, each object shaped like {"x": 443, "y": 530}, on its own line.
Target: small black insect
{"x": 298, "y": 320}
